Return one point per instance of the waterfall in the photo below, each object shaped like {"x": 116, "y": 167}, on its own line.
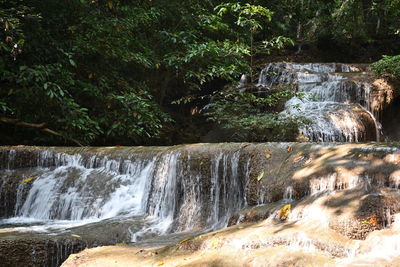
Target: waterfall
{"x": 76, "y": 190}
{"x": 65, "y": 199}
{"x": 336, "y": 101}
{"x": 169, "y": 189}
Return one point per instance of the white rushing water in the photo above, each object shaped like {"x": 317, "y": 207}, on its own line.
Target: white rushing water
{"x": 336, "y": 99}
{"x": 76, "y": 192}
{"x": 170, "y": 194}
{"x": 181, "y": 190}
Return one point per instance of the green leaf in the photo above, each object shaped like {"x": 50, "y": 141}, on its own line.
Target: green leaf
{"x": 72, "y": 62}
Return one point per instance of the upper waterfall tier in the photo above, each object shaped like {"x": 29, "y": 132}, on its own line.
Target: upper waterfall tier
{"x": 336, "y": 99}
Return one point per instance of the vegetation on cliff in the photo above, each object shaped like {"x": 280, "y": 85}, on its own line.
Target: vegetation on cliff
{"x": 245, "y": 117}
{"x": 388, "y": 65}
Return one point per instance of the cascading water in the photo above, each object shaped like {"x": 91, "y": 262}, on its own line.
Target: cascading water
{"x": 151, "y": 193}
{"x": 336, "y": 101}
{"x": 103, "y": 196}
{"x": 163, "y": 187}
{"x": 73, "y": 190}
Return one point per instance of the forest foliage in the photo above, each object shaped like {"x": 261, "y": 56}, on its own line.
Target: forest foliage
{"x": 107, "y": 71}
{"x": 388, "y": 65}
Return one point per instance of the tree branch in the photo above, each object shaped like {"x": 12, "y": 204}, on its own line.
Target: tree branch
{"x": 39, "y": 126}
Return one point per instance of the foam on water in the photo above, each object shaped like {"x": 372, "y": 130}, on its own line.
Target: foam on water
{"x": 24, "y": 224}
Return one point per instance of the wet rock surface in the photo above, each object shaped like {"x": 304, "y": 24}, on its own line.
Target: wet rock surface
{"x": 268, "y": 243}
{"x": 37, "y": 250}
{"x": 28, "y": 246}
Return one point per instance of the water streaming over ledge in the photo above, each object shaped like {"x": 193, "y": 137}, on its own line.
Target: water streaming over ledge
{"x": 165, "y": 187}
{"x": 155, "y": 191}
{"x": 337, "y": 99}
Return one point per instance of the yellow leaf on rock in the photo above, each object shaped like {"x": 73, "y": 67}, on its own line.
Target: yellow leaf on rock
{"x": 214, "y": 242}
{"x": 284, "y": 212}
{"x": 160, "y": 263}
{"x": 372, "y": 220}
{"x": 27, "y": 180}
{"x": 122, "y": 244}
{"x": 267, "y": 154}
{"x": 184, "y": 240}
{"x": 260, "y": 176}
{"x": 74, "y": 235}
{"x": 71, "y": 256}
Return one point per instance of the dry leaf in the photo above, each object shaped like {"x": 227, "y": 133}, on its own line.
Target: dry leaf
{"x": 73, "y": 256}
{"x": 372, "y": 220}
{"x": 184, "y": 240}
{"x": 260, "y": 176}
{"x": 214, "y": 242}
{"x": 299, "y": 158}
{"x": 284, "y": 212}
{"x": 27, "y": 180}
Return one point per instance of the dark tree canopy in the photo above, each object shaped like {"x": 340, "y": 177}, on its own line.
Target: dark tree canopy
{"x": 107, "y": 71}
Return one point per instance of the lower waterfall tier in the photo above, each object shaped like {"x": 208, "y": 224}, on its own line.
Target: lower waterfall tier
{"x": 85, "y": 197}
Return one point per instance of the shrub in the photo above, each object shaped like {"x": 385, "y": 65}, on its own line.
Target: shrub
{"x": 244, "y": 116}
{"x": 388, "y": 65}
